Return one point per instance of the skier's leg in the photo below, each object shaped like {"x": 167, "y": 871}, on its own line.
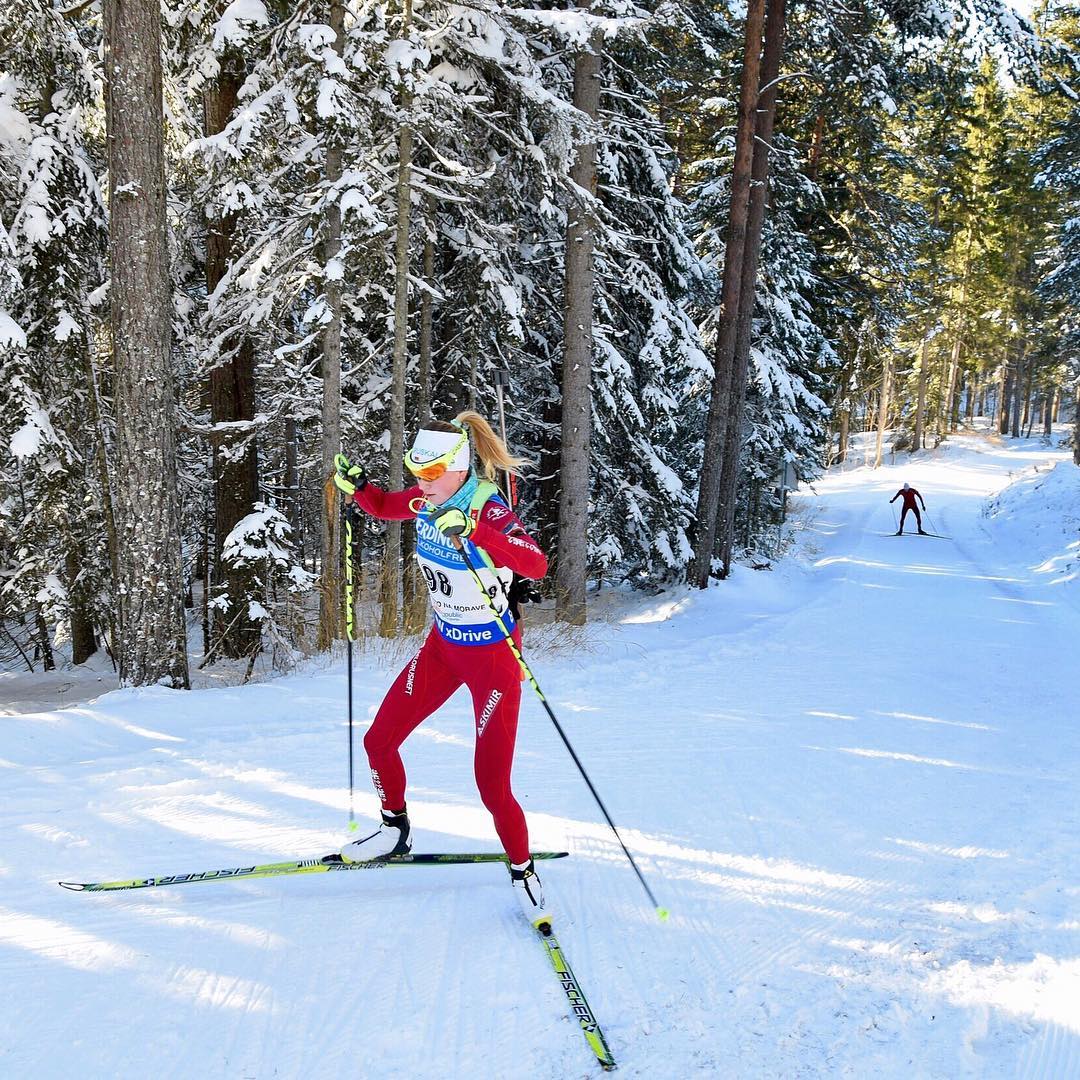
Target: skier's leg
{"x": 903, "y": 515}
{"x": 918, "y": 518}
{"x": 494, "y": 679}
{"x": 422, "y": 686}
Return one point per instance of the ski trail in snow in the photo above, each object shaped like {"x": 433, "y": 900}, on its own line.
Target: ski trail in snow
{"x": 853, "y": 783}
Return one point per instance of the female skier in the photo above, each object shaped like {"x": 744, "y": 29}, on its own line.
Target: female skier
{"x": 455, "y": 508}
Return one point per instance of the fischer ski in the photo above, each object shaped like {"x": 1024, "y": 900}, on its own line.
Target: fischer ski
{"x": 327, "y": 863}
{"x": 579, "y": 1006}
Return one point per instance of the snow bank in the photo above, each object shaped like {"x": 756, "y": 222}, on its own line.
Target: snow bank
{"x": 1037, "y": 519}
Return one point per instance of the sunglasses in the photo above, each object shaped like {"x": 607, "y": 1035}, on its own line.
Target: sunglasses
{"x": 432, "y": 470}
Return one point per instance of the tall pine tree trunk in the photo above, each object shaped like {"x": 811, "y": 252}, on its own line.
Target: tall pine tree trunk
{"x": 708, "y": 505}
{"x": 80, "y": 617}
{"x": 290, "y": 481}
{"x": 330, "y": 585}
{"x": 232, "y": 399}
{"x": 1076, "y": 426}
{"x": 152, "y": 637}
{"x": 845, "y": 426}
{"x": 1005, "y": 392}
{"x": 414, "y": 589}
{"x": 101, "y": 463}
{"x": 1028, "y": 387}
{"x": 572, "y": 569}
{"x": 883, "y": 410}
{"x": 920, "y": 406}
{"x": 391, "y": 572}
{"x": 759, "y": 176}
{"x": 1018, "y": 390}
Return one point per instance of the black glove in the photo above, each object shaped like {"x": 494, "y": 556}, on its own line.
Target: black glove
{"x": 348, "y": 478}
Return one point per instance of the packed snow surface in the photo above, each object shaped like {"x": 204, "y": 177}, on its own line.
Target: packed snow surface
{"x": 853, "y": 780}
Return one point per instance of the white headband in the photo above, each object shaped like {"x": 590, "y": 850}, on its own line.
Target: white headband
{"x": 432, "y": 445}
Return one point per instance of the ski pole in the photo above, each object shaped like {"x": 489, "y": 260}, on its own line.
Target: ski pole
{"x": 502, "y": 382}
{"x": 661, "y": 912}
{"x": 349, "y": 513}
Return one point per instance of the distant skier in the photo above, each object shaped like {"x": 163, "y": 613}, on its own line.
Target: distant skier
{"x": 909, "y": 495}
{"x": 456, "y": 507}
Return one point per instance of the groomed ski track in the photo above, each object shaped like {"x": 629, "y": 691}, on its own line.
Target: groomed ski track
{"x": 852, "y": 780}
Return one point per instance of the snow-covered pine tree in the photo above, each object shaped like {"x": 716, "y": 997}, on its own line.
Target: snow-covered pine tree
{"x": 1059, "y": 170}
{"x": 55, "y": 534}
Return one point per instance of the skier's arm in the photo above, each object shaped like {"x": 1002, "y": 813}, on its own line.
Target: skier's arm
{"x": 895, "y": 497}
{"x": 921, "y": 499}
{"x": 504, "y": 538}
{"x": 388, "y": 505}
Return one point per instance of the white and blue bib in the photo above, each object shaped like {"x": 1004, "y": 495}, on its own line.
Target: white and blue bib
{"x": 462, "y": 614}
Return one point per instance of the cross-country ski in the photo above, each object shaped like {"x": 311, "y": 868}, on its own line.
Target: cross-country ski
{"x": 325, "y": 864}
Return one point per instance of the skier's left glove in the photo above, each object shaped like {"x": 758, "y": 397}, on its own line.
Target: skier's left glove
{"x": 453, "y": 522}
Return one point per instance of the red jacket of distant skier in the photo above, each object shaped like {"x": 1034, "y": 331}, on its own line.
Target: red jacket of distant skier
{"x": 908, "y": 496}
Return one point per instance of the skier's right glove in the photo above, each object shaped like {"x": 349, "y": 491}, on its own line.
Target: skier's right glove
{"x": 348, "y": 478}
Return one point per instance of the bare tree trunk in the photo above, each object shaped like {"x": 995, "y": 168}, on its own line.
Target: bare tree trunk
{"x": 817, "y": 147}
{"x": 708, "y": 505}
{"x": 152, "y": 637}
{"x": 204, "y": 560}
{"x": 883, "y": 410}
{"x": 232, "y": 399}
{"x": 427, "y": 306}
{"x": 1018, "y": 390}
{"x": 1028, "y": 386}
{"x": 390, "y": 585}
{"x": 572, "y": 569}
{"x": 41, "y": 636}
{"x": 291, "y": 483}
{"x": 414, "y": 590}
{"x": 331, "y": 622}
{"x": 920, "y": 406}
{"x": 1076, "y": 426}
{"x": 951, "y": 404}
{"x": 845, "y": 424}
{"x": 759, "y": 177}
{"x": 83, "y": 639}
{"x": 1005, "y": 394}
{"x": 101, "y": 462}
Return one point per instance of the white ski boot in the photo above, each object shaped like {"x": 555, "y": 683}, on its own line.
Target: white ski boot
{"x": 393, "y": 837}
{"x": 530, "y": 894}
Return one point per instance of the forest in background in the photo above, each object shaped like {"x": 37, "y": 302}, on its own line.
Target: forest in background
{"x": 707, "y": 241}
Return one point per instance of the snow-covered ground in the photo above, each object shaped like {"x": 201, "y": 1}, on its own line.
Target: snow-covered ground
{"x": 853, "y": 781}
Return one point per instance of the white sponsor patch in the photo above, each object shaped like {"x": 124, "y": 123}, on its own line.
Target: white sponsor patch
{"x": 378, "y": 785}
{"x": 489, "y": 708}
{"x": 412, "y": 675}
{"x": 496, "y": 512}
{"x": 522, "y": 543}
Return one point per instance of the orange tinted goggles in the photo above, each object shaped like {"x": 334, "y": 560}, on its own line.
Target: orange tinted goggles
{"x": 428, "y": 472}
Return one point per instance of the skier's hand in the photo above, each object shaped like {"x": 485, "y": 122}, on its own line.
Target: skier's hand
{"x": 453, "y": 522}
{"x": 348, "y": 478}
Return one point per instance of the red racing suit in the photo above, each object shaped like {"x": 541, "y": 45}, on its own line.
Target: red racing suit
{"x": 464, "y": 647}
{"x": 909, "y": 497}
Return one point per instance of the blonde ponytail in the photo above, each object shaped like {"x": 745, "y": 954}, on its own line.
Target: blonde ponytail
{"x": 491, "y": 452}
